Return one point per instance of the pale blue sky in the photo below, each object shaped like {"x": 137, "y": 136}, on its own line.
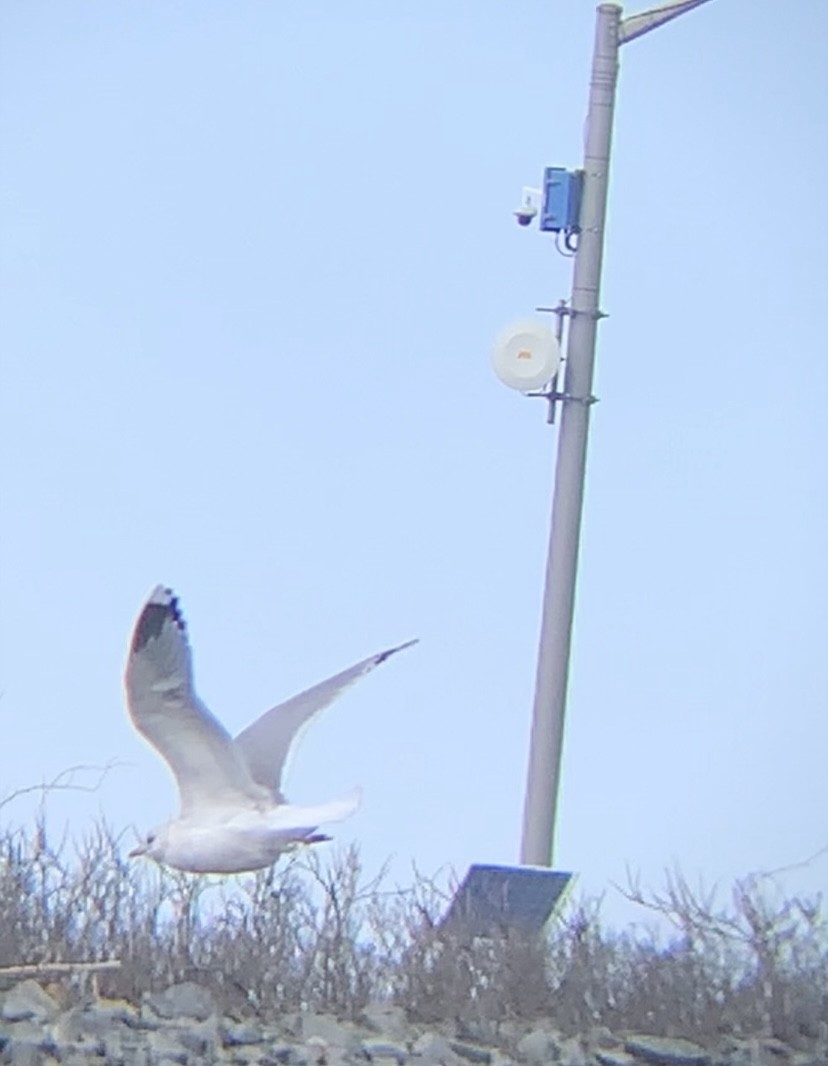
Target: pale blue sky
{"x": 254, "y": 257}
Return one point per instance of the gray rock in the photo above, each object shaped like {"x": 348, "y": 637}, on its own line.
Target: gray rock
{"x": 116, "y": 1010}
{"x": 337, "y": 1056}
{"x": 200, "y": 1038}
{"x": 80, "y": 1024}
{"x": 484, "y": 1031}
{"x": 70, "y": 1027}
{"x": 508, "y": 1032}
{"x": 435, "y": 1050}
{"x": 290, "y": 1025}
{"x": 241, "y": 1056}
{"x": 375, "y": 1050}
{"x": 24, "y": 1053}
{"x": 779, "y": 1050}
{"x": 738, "y": 1053}
{"x": 135, "y": 1055}
{"x": 165, "y": 1048}
{"x": 144, "y": 1020}
{"x": 317, "y": 1050}
{"x": 113, "y": 1050}
{"x": 94, "y": 1046}
{"x": 472, "y": 1052}
{"x": 27, "y": 1000}
{"x": 75, "y": 1057}
{"x": 667, "y": 1051}
{"x": 388, "y": 1019}
{"x": 285, "y": 1054}
{"x": 330, "y": 1029}
{"x": 281, "y": 1055}
{"x": 614, "y": 1058}
{"x": 187, "y": 1000}
{"x": 239, "y": 1034}
{"x": 133, "y": 1051}
{"x": 574, "y": 1053}
{"x": 26, "y": 1030}
{"x": 601, "y": 1037}
{"x": 770, "y": 1051}
{"x": 539, "y": 1047}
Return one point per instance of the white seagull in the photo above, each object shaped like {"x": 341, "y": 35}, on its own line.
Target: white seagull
{"x": 234, "y": 817}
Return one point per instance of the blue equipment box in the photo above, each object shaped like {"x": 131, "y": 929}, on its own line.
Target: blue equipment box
{"x": 561, "y": 209}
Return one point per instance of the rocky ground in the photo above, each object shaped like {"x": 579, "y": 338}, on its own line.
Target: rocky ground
{"x": 182, "y": 1025}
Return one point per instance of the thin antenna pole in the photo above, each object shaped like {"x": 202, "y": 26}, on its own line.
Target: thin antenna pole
{"x": 546, "y": 744}
{"x": 559, "y": 594}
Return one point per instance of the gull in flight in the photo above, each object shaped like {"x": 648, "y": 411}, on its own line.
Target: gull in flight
{"x": 234, "y": 816}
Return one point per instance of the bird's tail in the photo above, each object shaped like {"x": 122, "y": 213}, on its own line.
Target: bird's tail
{"x": 293, "y": 816}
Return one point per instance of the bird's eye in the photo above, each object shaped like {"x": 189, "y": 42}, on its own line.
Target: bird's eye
{"x": 151, "y": 838}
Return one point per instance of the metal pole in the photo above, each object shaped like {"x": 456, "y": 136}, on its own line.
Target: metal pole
{"x": 559, "y": 592}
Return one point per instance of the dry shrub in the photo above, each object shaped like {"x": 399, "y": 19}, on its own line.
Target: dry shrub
{"x": 315, "y": 933}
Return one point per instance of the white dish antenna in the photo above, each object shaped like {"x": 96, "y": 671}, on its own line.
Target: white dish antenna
{"x": 526, "y": 355}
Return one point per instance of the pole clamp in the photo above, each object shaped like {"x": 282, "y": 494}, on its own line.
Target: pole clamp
{"x": 565, "y": 397}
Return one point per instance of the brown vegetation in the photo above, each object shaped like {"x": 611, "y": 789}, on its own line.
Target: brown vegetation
{"x": 315, "y": 934}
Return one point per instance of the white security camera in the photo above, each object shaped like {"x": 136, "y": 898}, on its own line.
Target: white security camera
{"x": 525, "y": 214}
{"x": 528, "y": 209}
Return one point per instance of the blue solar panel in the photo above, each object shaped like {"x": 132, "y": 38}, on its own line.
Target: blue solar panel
{"x": 497, "y": 900}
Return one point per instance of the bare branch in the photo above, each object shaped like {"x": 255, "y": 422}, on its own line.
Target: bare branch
{"x": 34, "y": 969}
{"x": 795, "y": 865}
{"x": 64, "y": 782}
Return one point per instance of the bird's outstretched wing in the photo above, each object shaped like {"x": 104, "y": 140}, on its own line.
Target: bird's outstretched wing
{"x": 210, "y": 770}
{"x": 266, "y": 743}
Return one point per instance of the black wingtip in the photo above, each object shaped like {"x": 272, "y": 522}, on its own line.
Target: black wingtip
{"x": 383, "y": 655}
{"x": 162, "y": 605}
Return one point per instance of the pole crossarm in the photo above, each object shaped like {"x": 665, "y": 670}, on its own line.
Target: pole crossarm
{"x": 637, "y": 25}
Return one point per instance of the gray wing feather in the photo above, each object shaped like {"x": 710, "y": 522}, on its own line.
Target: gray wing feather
{"x": 163, "y": 706}
{"x": 266, "y": 743}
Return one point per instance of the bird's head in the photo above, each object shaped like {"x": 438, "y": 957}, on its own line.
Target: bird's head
{"x": 153, "y": 846}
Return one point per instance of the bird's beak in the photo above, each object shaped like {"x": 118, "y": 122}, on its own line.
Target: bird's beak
{"x": 140, "y": 850}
